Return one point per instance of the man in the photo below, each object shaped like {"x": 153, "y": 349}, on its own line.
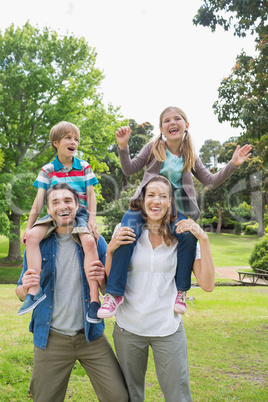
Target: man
{"x": 61, "y": 333}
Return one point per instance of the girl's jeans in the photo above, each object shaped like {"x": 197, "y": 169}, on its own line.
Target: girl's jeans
{"x": 185, "y": 253}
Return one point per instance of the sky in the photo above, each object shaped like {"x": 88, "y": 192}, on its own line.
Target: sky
{"x": 150, "y": 52}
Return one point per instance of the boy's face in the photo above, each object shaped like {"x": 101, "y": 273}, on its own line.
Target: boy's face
{"x": 67, "y": 145}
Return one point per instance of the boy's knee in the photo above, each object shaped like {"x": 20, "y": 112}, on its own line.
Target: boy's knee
{"x": 33, "y": 238}
{"x": 88, "y": 241}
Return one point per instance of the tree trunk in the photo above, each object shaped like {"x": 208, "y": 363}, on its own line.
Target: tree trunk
{"x": 218, "y": 230}
{"x": 14, "y": 253}
{"x": 260, "y": 218}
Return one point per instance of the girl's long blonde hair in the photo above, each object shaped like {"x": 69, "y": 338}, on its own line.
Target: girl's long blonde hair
{"x": 170, "y": 216}
{"x": 186, "y": 148}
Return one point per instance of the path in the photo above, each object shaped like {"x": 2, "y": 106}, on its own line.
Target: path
{"x": 230, "y": 272}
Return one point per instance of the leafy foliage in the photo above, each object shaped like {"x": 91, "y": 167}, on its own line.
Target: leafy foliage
{"x": 46, "y": 78}
{"x": 243, "y": 97}
{"x": 114, "y": 212}
{"x": 259, "y": 256}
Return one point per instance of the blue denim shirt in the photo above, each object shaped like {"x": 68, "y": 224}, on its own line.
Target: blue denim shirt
{"x": 41, "y": 317}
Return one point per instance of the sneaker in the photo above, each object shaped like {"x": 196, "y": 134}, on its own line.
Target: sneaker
{"x": 92, "y": 313}
{"x": 180, "y": 302}
{"x": 31, "y": 301}
{"x": 110, "y": 305}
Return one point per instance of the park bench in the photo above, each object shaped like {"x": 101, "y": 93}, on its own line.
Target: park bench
{"x": 253, "y": 278}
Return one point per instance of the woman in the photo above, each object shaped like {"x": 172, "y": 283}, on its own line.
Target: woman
{"x": 147, "y": 317}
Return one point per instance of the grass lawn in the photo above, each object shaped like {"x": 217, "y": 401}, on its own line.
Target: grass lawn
{"x": 227, "y": 346}
{"x": 230, "y": 250}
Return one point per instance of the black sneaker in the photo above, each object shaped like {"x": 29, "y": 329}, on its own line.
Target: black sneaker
{"x": 92, "y": 313}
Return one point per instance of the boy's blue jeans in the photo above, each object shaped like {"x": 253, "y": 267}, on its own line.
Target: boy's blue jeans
{"x": 185, "y": 253}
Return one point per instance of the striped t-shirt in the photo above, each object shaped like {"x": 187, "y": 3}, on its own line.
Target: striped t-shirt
{"x": 79, "y": 177}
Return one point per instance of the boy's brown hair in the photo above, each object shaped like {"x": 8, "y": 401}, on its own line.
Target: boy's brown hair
{"x": 59, "y": 130}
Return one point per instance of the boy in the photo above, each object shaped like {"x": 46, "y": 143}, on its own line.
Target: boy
{"x": 64, "y": 138}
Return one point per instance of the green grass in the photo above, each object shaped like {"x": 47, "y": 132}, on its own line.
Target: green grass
{"x": 227, "y": 346}
{"x": 231, "y": 250}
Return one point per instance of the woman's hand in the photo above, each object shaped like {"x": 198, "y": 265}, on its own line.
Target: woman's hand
{"x": 188, "y": 225}
{"x": 123, "y": 235}
{"x": 241, "y": 154}
{"x": 122, "y": 135}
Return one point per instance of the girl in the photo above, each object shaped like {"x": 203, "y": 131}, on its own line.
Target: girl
{"x": 170, "y": 155}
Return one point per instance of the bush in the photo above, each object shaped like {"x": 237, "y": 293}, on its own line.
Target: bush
{"x": 251, "y": 229}
{"x": 259, "y": 255}
{"x": 114, "y": 212}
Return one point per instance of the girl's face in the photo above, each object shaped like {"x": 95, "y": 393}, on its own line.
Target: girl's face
{"x": 156, "y": 201}
{"x": 173, "y": 126}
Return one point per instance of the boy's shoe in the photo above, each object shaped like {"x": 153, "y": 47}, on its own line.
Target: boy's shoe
{"x": 31, "y": 301}
{"x": 180, "y": 302}
{"x": 110, "y": 305}
{"x": 92, "y": 313}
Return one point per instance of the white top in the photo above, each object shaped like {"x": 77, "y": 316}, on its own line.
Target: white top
{"x": 148, "y": 308}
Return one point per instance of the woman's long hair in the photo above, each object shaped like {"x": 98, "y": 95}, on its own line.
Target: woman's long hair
{"x": 186, "y": 148}
{"x": 170, "y": 216}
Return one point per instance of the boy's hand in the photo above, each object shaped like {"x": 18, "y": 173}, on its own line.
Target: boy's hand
{"x": 24, "y": 237}
{"x": 94, "y": 228}
{"x": 122, "y": 136}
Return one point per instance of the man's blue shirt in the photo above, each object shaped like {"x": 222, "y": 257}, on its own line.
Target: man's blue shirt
{"x": 42, "y": 314}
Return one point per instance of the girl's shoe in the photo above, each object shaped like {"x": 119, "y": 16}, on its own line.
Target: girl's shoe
{"x": 180, "y": 302}
{"x": 109, "y": 306}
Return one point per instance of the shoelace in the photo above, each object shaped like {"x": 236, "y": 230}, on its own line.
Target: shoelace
{"x": 109, "y": 302}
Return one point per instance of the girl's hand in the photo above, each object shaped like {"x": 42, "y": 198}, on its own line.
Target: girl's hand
{"x": 122, "y": 135}
{"x": 124, "y": 235}
{"x": 241, "y": 154}
{"x": 188, "y": 225}
{"x": 24, "y": 237}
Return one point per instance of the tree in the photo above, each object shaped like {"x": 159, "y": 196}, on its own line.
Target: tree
{"x": 209, "y": 153}
{"x": 45, "y": 78}
{"x": 116, "y": 182}
{"x": 249, "y": 183}
{"x": 243, "y": 97}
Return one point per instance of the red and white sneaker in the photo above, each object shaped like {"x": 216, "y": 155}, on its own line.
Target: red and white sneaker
{"x": 109, "y": 306}
{"x": 180, "y": 302}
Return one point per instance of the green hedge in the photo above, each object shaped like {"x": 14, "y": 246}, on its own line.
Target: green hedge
{"x": 259, "y": 256}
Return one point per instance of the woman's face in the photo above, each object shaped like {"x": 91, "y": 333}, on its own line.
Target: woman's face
{"x": 156, "y": 201}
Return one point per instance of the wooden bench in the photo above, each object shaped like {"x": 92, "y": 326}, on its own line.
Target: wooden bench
{"x": 253, "y": 278}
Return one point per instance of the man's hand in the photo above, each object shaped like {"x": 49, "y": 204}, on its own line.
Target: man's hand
{"x": 30, "y": 279}
{"x": 97, "y": 273}
{"x": 122, "y": 136}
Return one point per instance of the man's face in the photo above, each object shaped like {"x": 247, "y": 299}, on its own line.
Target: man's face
{"x": 62, "y": 207}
